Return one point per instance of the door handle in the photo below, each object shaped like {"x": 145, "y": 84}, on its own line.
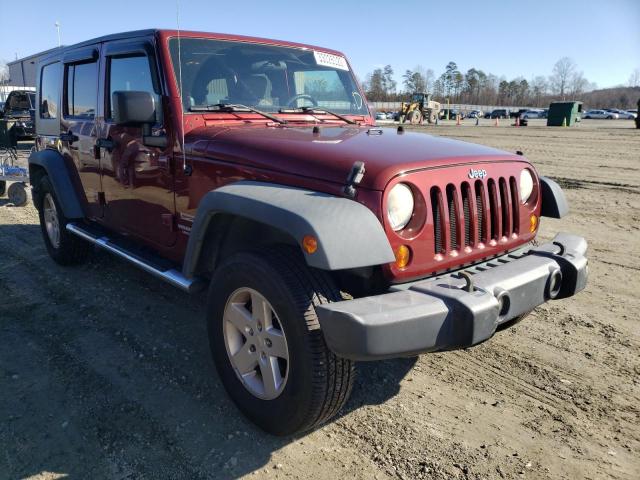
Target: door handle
{"x": 69, "y": 137}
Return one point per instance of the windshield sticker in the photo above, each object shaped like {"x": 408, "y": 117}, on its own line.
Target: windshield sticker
{"x": 329, "y": 60}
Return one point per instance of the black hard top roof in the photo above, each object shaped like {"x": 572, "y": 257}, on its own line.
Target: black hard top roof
{"x": 92, "y": 41}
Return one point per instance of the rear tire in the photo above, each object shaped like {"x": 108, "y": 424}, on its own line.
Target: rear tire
{"x": 311, "y": 384}
{"x": 64, "y": 247}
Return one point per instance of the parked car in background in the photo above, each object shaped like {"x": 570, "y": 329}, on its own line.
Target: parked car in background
{"x": 475, "y": 114}
{"x": 19, "y": 108}
{"x": 450, "y": 114}
{"x": 517, "y": 113}
{"x": 499, "y": 113}
{"x": 544, "y": 113}
{"x": 622, "y": 113}
{"x": 600, "y": 114}
{"x": 381, "y": 116}
{"x": 527, "y": 114}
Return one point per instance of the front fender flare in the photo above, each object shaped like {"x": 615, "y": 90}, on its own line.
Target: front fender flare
{"x": 554, "y": 203}
{"x": 349, "y": 234}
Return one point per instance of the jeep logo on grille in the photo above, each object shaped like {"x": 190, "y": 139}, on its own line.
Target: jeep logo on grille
{"x": 477, "y": 173}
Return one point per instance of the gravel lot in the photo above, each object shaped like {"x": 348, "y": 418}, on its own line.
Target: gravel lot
{"x": 105, "y": 372}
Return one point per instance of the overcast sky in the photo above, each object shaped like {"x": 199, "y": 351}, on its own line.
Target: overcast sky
{"x": 509, "y": 38}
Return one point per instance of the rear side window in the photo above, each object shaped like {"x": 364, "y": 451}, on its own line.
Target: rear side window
{"x": 81, "y": 90}
{"x": 50, "y": 90}
{"x": 131, "y": 73}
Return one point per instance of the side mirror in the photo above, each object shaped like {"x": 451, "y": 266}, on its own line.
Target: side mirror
{"x": 133, "y": 108}
{"x": 137, "y": 109}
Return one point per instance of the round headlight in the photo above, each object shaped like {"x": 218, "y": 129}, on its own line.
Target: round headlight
{"x": 526, "y": 185}
{"x": 399, "y": 206}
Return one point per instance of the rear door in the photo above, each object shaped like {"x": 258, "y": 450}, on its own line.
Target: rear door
{"x": 137, "y": 179}
{"x": 78, "y": 123}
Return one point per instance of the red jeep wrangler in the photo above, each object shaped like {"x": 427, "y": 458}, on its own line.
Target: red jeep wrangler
{"x": 253, "y": 167}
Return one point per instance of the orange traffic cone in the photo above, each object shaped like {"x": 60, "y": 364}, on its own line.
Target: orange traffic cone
{"x": 497, "y": 124}
{"x": 458, "y": 120}
{"x": 517, "y": 121}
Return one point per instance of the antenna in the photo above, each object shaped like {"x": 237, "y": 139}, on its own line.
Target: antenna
{"x": 184, "y": 153}
{"x": 57, "y": 25}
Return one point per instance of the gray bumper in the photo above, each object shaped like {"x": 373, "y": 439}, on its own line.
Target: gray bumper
{"x": 457, "y": 310}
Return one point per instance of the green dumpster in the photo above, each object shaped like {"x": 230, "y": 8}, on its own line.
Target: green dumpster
{"x": 7, "y": 138}
{"x": 564, "y": 114}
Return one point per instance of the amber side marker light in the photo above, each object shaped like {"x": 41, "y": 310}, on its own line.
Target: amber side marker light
{"x": 403, "y": 256}
{"x": 533, "y": 223}
{"x": 309, "y": 244}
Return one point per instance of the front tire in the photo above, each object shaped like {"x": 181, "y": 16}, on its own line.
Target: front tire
{"x": 267, "y": 344}
{"x": 64, "y": 247}
{"x": 414, "y": 117}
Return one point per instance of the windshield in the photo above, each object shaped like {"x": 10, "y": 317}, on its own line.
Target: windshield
{"x": 265, "y": 77}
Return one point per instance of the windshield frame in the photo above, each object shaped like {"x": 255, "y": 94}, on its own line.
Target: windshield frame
{"x": 365, "y": 114}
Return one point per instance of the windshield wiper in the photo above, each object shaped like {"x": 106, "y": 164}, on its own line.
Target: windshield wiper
{"x": 234, "y": 107}
{"x": 313, "y": 110}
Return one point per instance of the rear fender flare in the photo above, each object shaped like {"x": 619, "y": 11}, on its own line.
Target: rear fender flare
{"x": 348, "y": 234}
{"x": 61, "y": 180}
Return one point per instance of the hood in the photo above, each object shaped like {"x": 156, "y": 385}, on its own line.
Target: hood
{"x": 329, "y": 154}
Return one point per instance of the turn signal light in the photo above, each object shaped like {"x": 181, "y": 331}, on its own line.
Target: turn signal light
{"x": 533, "y": 223}
{"x": 309, "y": 244}
{"x": 403, "y": 255}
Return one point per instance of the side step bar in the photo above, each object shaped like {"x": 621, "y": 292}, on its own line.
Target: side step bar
{"x": 172, "y": 276}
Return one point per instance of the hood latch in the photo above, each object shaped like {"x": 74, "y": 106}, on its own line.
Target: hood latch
{"x": 354, "y": 178}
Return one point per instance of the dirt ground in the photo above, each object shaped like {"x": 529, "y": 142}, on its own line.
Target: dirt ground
{"x": 105, "y": 372}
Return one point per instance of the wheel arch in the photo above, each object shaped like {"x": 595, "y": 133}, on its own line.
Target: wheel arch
{"x": 259, "y": 213}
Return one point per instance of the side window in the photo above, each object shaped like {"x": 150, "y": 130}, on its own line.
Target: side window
{"x": 81, "y": 90}
{"x": 131, "y": 73}
{"x": 50, "y": 91}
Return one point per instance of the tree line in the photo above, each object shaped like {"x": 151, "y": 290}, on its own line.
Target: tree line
{"x": 477, "y": 87}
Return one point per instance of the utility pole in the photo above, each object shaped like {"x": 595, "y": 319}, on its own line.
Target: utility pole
{"x": 57, "y": 24}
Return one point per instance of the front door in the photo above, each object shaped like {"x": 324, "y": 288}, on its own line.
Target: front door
{"x": 136, "y": 179}
{"x": 78, "y": 123}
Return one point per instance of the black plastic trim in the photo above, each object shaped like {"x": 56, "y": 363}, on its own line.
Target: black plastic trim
{"x": 554, "y": 203}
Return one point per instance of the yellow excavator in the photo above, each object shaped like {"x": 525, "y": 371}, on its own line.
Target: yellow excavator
{"x": 419, "y": 109}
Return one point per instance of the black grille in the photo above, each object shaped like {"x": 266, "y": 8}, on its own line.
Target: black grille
{"x": 493, "y": 210}
{"x": 466, "y": 213}
{"x": 437, "y": 219}
{"x": 480, "y": 211}
{"x": 453, "y": 217}
{"x": 496, "y": 212}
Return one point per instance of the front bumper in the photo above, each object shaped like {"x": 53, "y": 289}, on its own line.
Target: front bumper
{"x": 456, "y": 310}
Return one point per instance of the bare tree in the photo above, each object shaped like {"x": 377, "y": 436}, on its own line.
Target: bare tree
{"x": 634, "y": 78}
{"x": 429, "y": 78}
{"x": 577, "y": 84}
{"x": 563, "y": 71}
{"x": 4, "y": 71}
{"x": 539, "y": 89}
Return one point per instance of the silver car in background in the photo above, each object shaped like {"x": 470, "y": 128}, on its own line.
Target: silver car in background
{"x": 600, "y": 114}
